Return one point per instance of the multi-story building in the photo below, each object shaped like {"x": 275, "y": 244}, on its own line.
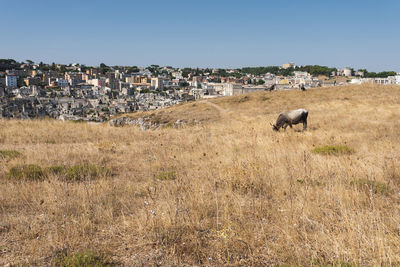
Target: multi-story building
{"x": 157, "y": 83}
{"x": 2, "y": 82}
{"x": 347, "y": 72}
{"x": 388, "y": 80}
{"x": 98, "y": 82}
{"x": 123, "y": 85}
{"x": 62, "y": 82}
{"x": 288, "y": 65}
{"x": 231, "y": 88}
{"x": 93, "y": 72}
{"x": 177, "y": 75}
{"x": 11, "y": 81}
{"x": 33, "y": 81}
{"x": 397, "y": 77}
{"x": 73, "y": 77}
{"x": 359, "y": 73}
{"x": 136, "y": 80}
{"x": 112, "y": 83}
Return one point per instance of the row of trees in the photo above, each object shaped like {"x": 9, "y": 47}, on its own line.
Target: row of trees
{"x": 314, "y": 70}
{"x": 382, "y": 74}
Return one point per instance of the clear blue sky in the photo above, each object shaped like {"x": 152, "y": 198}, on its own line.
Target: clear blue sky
{"x": 206, "y": 33}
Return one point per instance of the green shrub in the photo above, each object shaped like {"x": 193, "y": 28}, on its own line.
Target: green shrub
{"x": 85, "y": 171}
{"x": 375, "y": 186}
{"x": 29, "y": 172}
{"x": 165, "y": 176}
{"x": 79, "y": 172}
{"x": 83, "y": 258}
{"x": 70, "y": 173}
{"x": 56, "y": 169}
{"x": 51, "y": 141}
{"x": 9, "y": 154}
{"x": 333, "y": 150}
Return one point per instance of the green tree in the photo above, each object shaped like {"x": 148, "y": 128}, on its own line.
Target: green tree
{"x": 186, "y": 72}
{"x": 104, "y": 68}
{"x": 184, "y": 84}
{"x": 260, "y": 82}
{"x": 133, "y": 69}
{"x": 63, "y": 69}
{"x": 153, "y": 69}
{"x": 20, "y": 82}
{"x": 383, "y": 74}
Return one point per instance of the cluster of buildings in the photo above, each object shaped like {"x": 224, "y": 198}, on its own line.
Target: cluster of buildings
{"x": 82, "y": 95}
{"x": 76, "y": 92}
{"x": 385, "y": 81}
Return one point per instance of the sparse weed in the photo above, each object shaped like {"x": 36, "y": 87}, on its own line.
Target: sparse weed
{"x": 371, "y": 185}
{"x": 9, "y": 154}
{"x": 333, "y": 150}
{"x": 86, "y": 258}
{"x": 243, "y": 99}
{"x": 165, "y": 176}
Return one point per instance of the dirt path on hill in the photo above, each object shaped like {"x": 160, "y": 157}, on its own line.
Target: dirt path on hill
{"x": 222, "y": 111}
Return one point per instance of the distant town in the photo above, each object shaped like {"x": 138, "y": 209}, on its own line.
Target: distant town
{"x": 85, "y": 93}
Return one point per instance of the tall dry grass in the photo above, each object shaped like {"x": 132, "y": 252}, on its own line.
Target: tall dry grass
{"x": 229, "y": 191}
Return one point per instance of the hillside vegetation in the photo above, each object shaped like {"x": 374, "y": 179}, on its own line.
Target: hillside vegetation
{"x": 225, "y": 191}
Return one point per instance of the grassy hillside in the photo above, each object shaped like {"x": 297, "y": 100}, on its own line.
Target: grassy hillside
{"x": 227, "y": 191}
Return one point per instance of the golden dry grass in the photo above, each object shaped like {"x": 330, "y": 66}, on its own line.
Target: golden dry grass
{"x": 229, "y": 191}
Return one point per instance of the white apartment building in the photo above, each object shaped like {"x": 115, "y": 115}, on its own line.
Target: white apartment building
{"x": 157, "y": 83}
{"x": 388, "y": 80}
{"x": 229, "y": 88}
{"x": 98, "y": 82}
{"x": 177, "y": 75}
{"x": 347, "y": 72}
{"x": 397, "y": 77}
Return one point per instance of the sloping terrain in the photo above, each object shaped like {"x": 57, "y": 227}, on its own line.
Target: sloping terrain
{"x": 225, "y": 191}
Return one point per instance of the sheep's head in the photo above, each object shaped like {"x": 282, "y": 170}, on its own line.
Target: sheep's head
{"x": 274, "y": 127}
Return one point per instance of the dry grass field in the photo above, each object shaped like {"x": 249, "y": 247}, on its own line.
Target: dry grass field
{"x": 227, "y": 191}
